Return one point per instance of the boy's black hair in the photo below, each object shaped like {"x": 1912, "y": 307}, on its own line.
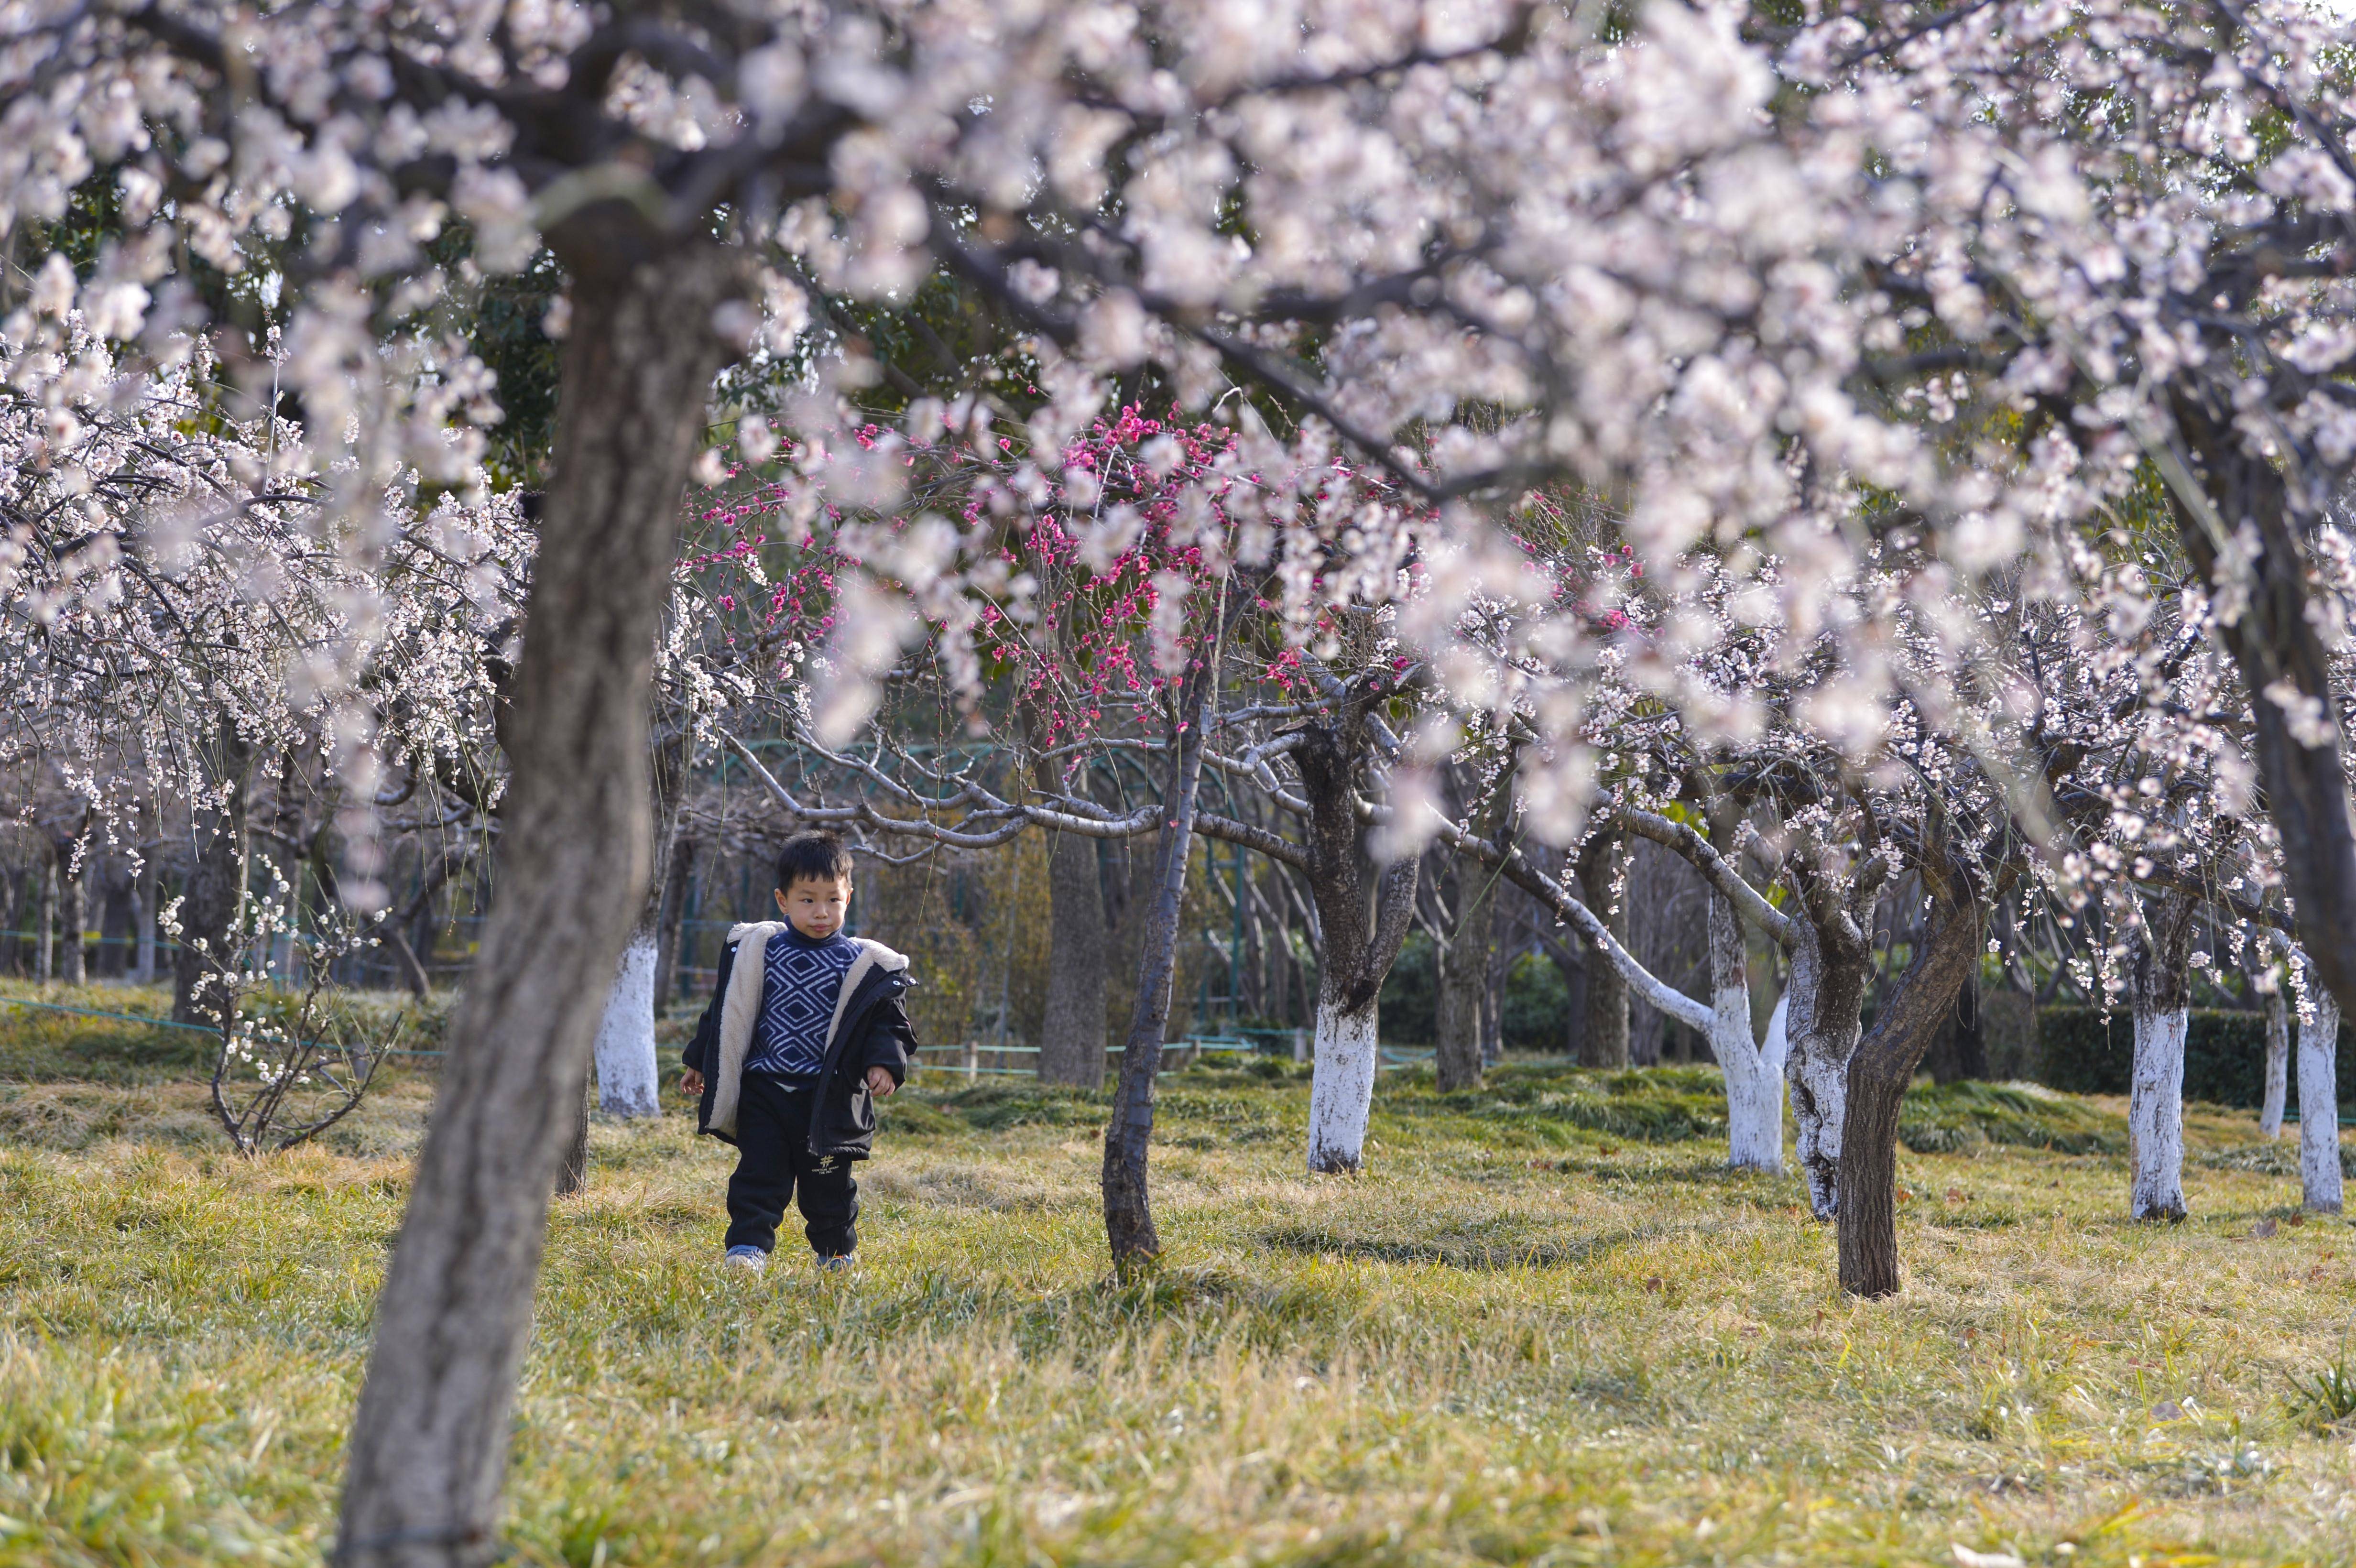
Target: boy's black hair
{"x": 817, "y": 856}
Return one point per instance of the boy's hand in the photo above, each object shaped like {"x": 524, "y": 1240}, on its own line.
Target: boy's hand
{"x": 879, "y": 1083}
{"x": 690, "y": 1084}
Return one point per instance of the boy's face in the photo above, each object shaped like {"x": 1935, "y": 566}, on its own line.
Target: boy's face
{"x": 815, "y": 906}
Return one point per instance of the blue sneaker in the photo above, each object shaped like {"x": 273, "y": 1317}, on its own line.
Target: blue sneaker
{"x": 843, "y": 1264}
{"x": 751, "y": 1260}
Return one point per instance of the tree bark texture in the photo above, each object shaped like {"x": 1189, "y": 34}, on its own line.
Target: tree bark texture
{"x": 1753, "y": 1073}
{"x": 2270, "y": 1108}
{"x": 2159, "y": 992}
{"x": 215, "y": 883}
{"x": 1831, "y": 962}
{"x": 1604, "y": 1030}
{"x": 572, "y": 1171}
{"x": 1071, "y": 1028}
{"x": 2319, "y": 1107}
{"x": 1363, "y": 911}
{"x": 1464, "y": 979}
{"x": 1128, "y": 1139}
{"x": 430, "y": 1439}
{"x": 1880, "y": 1070}
{"x": 671, "y": 915}
{"x": 2284, "y": 663}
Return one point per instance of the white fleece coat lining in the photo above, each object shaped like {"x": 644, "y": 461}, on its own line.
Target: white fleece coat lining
{"x": 740, "y": 1010}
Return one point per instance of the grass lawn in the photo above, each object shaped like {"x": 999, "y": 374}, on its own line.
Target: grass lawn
{"x": 1546, "y": 1325}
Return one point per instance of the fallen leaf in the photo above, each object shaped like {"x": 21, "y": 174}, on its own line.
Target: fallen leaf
{"x": 1653, "y": 1283}
{"x": 1954, "y": 1195}
{"x": 2167, "y": 1410}
{"x": 2295, "y": 1219}
{"x": 2263, "y": 1228}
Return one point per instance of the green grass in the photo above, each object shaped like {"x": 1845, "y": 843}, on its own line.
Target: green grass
{"x": 1546, "y": 1325}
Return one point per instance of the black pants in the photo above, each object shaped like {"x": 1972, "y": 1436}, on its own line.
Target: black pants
{"x": 772, "y": 1159}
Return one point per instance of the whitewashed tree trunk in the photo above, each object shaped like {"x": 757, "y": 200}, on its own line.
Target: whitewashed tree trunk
{"x": 1754, "y": 1101}
{"x": 2159, "y": 992}
{"x": 628, "y": 1073}
{"x": 2156, "y": 1115}
{"x": 2270, "y": 1111}
{"x": 1823, "y": 1034}
{"x": 2319, "y": 1105}
{"x": 1342, "y": 1085}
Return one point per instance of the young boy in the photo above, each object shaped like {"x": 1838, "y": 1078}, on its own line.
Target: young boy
{"x": 805, "y": 1033}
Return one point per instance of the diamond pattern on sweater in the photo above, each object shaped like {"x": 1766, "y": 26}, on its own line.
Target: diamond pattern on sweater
{"x": 800, "y": 982}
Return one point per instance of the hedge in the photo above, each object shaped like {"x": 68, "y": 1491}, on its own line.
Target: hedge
{"x": 2081, "y": 1051}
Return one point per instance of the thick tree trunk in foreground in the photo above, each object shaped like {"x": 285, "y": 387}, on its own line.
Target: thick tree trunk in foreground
{"x": 1753, "y": 1073}
{"x": 1603, "y": 1033}
{"x": 208, "y": 901}
{"x": 1464, "y": 980}
{"x": 1071, "y": 1029}
{"x": 2159, "y": 992}
{"x": 430, "y": 1439}
{"x": 2280, "y": 651}
{"x": 1128, "y": 1139}
{"x": 1879, "y": 1070}
{"x": 2270, "y": 1109}
{"x": 2319, "y": 1107}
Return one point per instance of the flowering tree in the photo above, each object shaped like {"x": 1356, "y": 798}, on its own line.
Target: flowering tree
{"x": 1862, "y": 303}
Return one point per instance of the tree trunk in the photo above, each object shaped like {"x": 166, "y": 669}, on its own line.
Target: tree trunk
{"x": 1128, "y": 1203}
{"x": 670, "y": 918}
{"x": 2319, "y": 1106}
{"x": 430, "y": 1439}
{"x": 1825, "y": 999}
{"x": 1754, "y": 1078}
{"x": 2278, "y": 646}
{"x": 573, "y": 1175}
{"x": 1363, "y": 911}
{"x": 1464, "y": 979}
{"x": 215, "y": 884}
{"x": 1879, "y": 1071}
{"x": 45, "y": 963}
{"x": 1072, "y": 1028}
{"x": 1346, "y": 1057}
{"x": 2270, "y": 1110}
{"x": 627, "y": 1071}
{"x": 118, "y": 919}
{"x": 73, "y": 915}
{"x": 2160, "y": 991}
{"x": 627, "y": 1076}
{"x": 142, "y": 915}
{"x": 1603, "y": 1033}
